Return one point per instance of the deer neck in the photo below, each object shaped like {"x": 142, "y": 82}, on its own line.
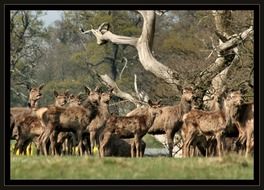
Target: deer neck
{"x": 149, "y": 119}
{"x": 32, "y": 104}
{"x": 229, "y": 111}
{"x": 103, "y": 110}
{"x": 185, "y": 106}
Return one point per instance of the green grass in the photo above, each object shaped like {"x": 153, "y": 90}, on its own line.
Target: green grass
{"x": 152, "y": 142}
{"x": 75, "y": 167}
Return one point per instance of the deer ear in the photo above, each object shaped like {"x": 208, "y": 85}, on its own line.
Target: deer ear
{"x": 87, "y": 89}
{"x": 79, "y": 96}
{"x": 41, "y": 86}
{"x": 29, "y": 87}
{"x": 150, "y": 102}
{"x": 55, "y": 93}
{"x": 96, "y": 89}
{"x": 67, "y": 93}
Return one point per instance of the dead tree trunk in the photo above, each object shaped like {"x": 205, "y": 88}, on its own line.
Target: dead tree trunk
{"x": 143, "y": 44}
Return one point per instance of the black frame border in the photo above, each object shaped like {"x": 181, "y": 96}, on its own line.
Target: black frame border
{"x": 257, "y": 183}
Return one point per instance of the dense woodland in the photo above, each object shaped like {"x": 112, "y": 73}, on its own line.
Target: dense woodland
{"x": 63, "y": 57}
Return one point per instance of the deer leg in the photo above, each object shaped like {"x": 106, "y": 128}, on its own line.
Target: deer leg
{"x": 248, "y": 142}
{"x": 106, "y": 137}
{"x": 79, "y": 140}
{"x": 219, "y": 143}
{"x": 169, "y": 141}
{"x": 93, "y": 141}
{"x": 137, "y": 144}
{"x": 45, "y": 137}
{"x": 53, "y": 142}
{"x": 132, "y": 151}
{"x": 188, "y": 139}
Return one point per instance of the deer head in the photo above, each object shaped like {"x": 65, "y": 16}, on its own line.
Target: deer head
{"x": 34, "y": 95}
{"x": 61, "y": 99}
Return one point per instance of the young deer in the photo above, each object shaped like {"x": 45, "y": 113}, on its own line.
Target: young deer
{"x": 49, "y": 118}
{"x": 99, "y": 121}
{"x": 209, "y": 123}
{"x": 128, "y": 127}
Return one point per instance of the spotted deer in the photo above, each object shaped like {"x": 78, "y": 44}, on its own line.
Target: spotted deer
{"x": 209, "y": 123}
{"x": 28, "y": 126}
{"x": 128, "y": 127}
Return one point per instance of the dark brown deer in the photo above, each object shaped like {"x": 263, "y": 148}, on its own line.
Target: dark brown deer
{"x": 170, "y": 121}
{"x": 243, "y": 118}
{"x": 209, "y": 123}
{"x": 128, "y": 127}
{"x": 122, "y": 147}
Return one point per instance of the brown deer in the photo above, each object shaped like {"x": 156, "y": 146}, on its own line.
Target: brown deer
{"x": 99, "y": 121}
{"x": 74, "y": 118}
{"x": 170, "y": 121}
{"x": 243, "y": 118}
{"x": 49, "y": 118}
{"x": 29, "y": 126}
{"x": 128, "y": 127}
{"x": 27, "y": 130}
{"x": 209, "y": 123}
{"x": 66, "y": 140}
{"x": 33, "y": 98}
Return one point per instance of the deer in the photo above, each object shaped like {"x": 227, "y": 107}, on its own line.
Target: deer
{"x": 29, "y": 126}
{"x": 74, "y": 119}
{"x": 243, "y": 118}
{"x": 66, "y": 140}
{"x": 26, "y": 131}
{"x": 33, "y": 98}
{"x": 170, "y": 120}
{"x": 128, "y": 127}
{"x": 122, "y": 147}
{"x": 208, "y": 123}
{"x": 98, "y": 122}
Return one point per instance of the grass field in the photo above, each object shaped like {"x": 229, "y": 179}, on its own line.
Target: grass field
{"x": 75, "y": 167}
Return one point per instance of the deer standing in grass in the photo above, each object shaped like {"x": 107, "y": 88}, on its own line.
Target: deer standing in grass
{"x": 243, "y": 118}
{"x": 170, "y": 120}
{"x": 128, "y": 127}
{"x": 209, "y": 123}
{"x": 99, "y": 121}
{"x": 74, "y": 119}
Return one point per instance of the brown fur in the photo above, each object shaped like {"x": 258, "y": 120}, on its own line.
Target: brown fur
{"x": 27, "y": 129}
{"x": 128, "y": 127}
{"x": 244, "y": 120}
{"x": 99, "y": 121}
{"x": 209, "y": 123}
{"x": 122, "y": 147}
{"x": 73, "y": 118}
{"x": 170, "y": 121}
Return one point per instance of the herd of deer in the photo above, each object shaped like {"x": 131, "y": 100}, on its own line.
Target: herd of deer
{"x": 57, "y": 128}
